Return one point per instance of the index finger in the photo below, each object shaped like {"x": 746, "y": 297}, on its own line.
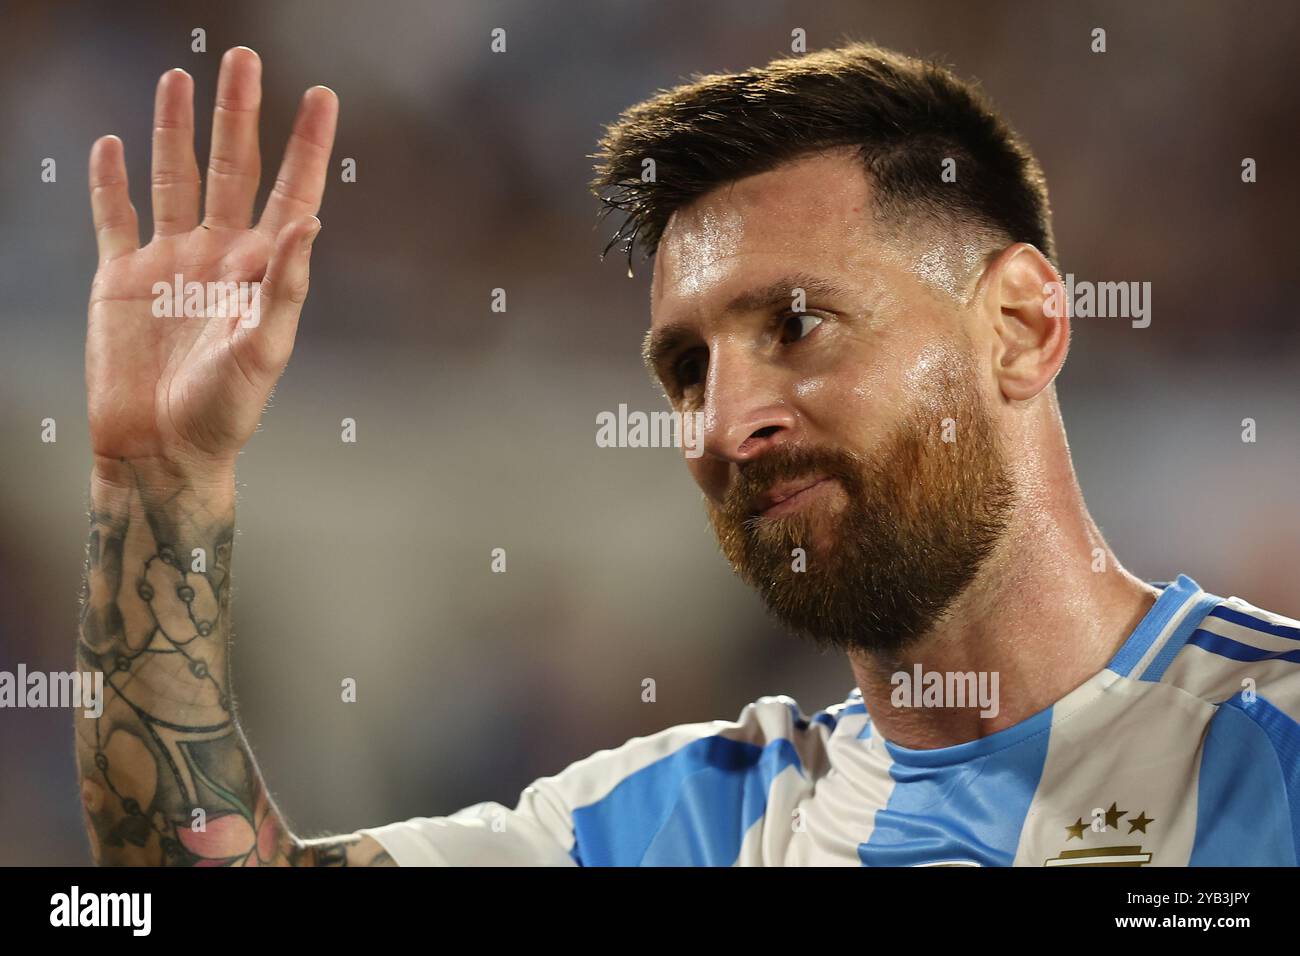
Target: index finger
{"x": 301, "y": 180}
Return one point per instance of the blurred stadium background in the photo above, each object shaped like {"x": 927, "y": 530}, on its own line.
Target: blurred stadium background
{"x": 476, "y": 430}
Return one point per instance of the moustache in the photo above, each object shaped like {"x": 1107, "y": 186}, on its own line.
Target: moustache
{"x": 785, "y": 464}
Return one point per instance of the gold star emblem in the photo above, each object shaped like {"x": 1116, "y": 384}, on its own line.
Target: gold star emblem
{"x": 1139, "y": 822}
{"x": 1113, "y": 815}
{"x": 1077, "y": 829}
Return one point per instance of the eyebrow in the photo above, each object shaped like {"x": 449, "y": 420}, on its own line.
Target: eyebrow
{"x": 661, "y": 342}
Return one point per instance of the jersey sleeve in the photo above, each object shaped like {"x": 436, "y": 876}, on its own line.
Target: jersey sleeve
{"x": 534, "y": 833}
{"x": 639, "y": 803}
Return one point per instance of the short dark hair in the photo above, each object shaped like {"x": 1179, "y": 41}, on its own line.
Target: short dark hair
{"x": 905, "y": 116}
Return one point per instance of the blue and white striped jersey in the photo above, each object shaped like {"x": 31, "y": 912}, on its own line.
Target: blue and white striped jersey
{"x": 1185, "y": 750}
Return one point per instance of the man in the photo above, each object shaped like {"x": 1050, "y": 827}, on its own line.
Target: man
{"x": 853, "y": 285}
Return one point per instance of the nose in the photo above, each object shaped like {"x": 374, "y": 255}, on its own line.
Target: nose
{"x": 745, "y": 411}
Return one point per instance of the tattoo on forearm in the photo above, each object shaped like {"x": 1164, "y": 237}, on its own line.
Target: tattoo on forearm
{"x": 166, "y": 776}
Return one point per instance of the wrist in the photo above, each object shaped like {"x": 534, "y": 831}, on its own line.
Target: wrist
{"x": 161, "y": 474}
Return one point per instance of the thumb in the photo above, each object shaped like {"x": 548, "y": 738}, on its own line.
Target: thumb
{"x": 274, "y": 324}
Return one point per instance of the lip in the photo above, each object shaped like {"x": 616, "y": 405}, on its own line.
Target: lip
{"x": 787, "y": 496}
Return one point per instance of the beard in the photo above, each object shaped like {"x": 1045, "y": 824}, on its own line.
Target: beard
{"x": 887, "y": 556}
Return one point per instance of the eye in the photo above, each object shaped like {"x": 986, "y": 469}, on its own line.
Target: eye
{"x": 798, "y": 325}
{"x": 688, "y": 370}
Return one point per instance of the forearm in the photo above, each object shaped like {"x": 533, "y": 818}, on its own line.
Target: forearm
{"x": 166, "y": 775}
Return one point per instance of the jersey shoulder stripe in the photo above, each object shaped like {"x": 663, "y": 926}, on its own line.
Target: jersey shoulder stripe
{"x": 1223, "y": 646}
{"x": 1236, "y": 611}
{"x": 1243, "y": 660}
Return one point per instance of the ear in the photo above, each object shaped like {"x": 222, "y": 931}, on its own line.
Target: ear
{"x": 1025, "y": 302}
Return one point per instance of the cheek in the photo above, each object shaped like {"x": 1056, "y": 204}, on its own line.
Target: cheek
{"x": 850, "y": 406}
{"x": 929, "y": 362}
{"x": 858, "y": 402}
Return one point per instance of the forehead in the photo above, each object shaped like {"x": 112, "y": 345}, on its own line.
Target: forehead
{"x": 812, "y": 216}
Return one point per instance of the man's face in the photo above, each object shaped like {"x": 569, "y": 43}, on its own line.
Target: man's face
{"x": 829, "y": 367}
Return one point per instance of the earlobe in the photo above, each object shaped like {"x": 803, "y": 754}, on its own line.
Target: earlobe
{"x": 1031, "y": 322}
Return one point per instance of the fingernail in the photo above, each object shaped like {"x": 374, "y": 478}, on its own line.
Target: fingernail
{"x": 311, "y": 235}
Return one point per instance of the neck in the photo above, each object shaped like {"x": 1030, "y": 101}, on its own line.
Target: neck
{"x": 1048, "y": 610}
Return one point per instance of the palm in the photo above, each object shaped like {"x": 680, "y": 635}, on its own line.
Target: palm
{"x": 192, "y": 388}
{"x": 162, "y": 386}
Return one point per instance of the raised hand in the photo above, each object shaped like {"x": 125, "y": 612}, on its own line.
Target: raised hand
{"x": 185, "y": 393}
{"x": 165, "y": 774}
